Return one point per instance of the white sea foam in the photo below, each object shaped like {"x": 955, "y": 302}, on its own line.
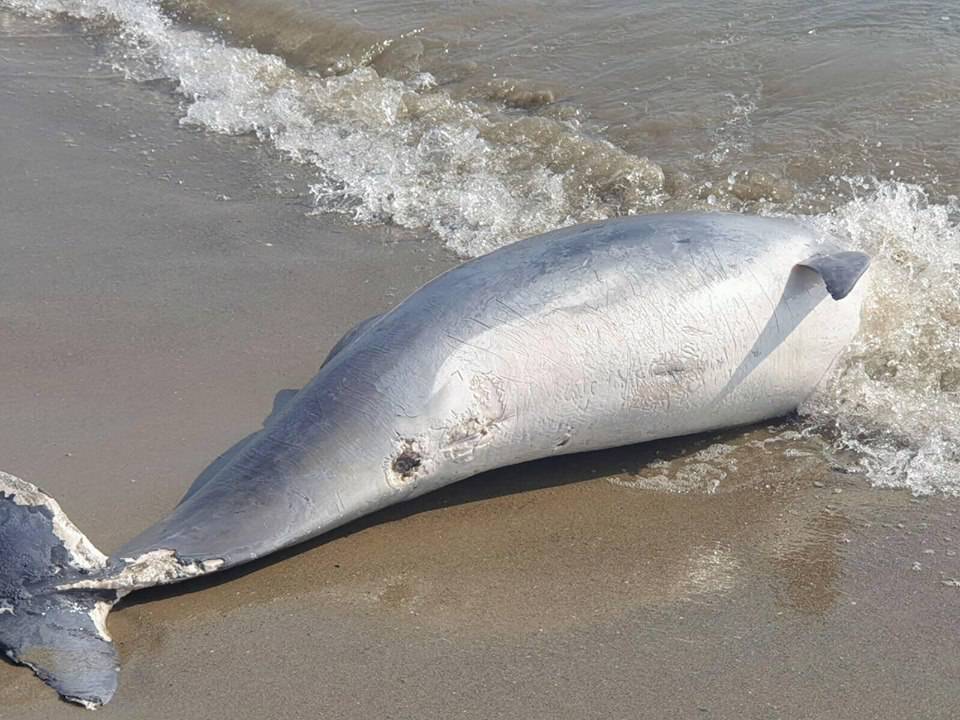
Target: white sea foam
{"x": 896, "y": 396}
{"x": 386, "y": 150}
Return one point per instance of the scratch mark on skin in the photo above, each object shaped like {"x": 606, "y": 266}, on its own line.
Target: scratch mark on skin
{"x": 513, "y": 310}
{"x": 704, "y": 280}
{"x": 706, "y": 283}
{"x": 287, "y": 443}
{"x": 829, "y": 367}
{"x": 773, "y": 305}
{"x": 475, "y": 347}
{"x": 516, "y": 380}
{"x": 543, "y": 356}
{"x": 720, "y": 269}
{"x": 403, "y": 410}
{"x": 566, "y": 434}
{"x": 481, "y": 323}
{"x": 753, "y": 320}
{"x": 731, "y": 334}
{"x": 304, "y": 498}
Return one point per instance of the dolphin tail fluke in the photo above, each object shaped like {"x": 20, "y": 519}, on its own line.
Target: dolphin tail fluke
{"x": 60, "y": 634}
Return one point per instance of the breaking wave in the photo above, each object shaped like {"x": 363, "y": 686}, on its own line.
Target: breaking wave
{"x": 386, "y": 150}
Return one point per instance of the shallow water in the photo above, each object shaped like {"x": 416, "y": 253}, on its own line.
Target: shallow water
{"x": 482, "y": 123}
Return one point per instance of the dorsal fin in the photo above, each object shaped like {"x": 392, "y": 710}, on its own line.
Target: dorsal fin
{"x": 839, "y": 270}
{"x": 351, "y": 335}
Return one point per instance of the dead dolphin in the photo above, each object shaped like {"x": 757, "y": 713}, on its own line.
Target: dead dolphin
{"x": 588, "y": 337}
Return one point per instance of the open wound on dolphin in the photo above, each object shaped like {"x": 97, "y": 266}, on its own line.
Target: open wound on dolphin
{"x": 407, "y": 461}
{"x": 152, "y": 568}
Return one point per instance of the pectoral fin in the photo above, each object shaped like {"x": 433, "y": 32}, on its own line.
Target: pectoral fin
{"x": 840, "y": 270}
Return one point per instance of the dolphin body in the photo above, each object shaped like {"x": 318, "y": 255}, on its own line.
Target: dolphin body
{"x": 587, "y": 337}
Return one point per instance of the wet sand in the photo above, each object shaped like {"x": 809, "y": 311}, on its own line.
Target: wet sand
{"x": 147, "y": 324}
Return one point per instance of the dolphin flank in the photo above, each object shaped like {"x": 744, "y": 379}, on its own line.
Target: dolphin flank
{"x": 584, "y": 338}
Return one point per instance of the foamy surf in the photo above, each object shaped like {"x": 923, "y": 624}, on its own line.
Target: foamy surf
{"x": 385, "y": 150}
{"x": 404, "y": 151}
{"x": 896, "y": 396}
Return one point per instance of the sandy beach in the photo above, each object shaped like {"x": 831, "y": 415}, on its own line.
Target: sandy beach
{"x": 162, "y": 287}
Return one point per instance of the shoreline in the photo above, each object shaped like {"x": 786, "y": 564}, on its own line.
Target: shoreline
{"x": 148, "y": 325}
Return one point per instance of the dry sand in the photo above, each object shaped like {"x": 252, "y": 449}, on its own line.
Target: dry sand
{"x": 146, "y": 325}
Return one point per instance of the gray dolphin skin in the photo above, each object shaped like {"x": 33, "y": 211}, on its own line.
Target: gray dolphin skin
{"x": 584, "y": 338}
